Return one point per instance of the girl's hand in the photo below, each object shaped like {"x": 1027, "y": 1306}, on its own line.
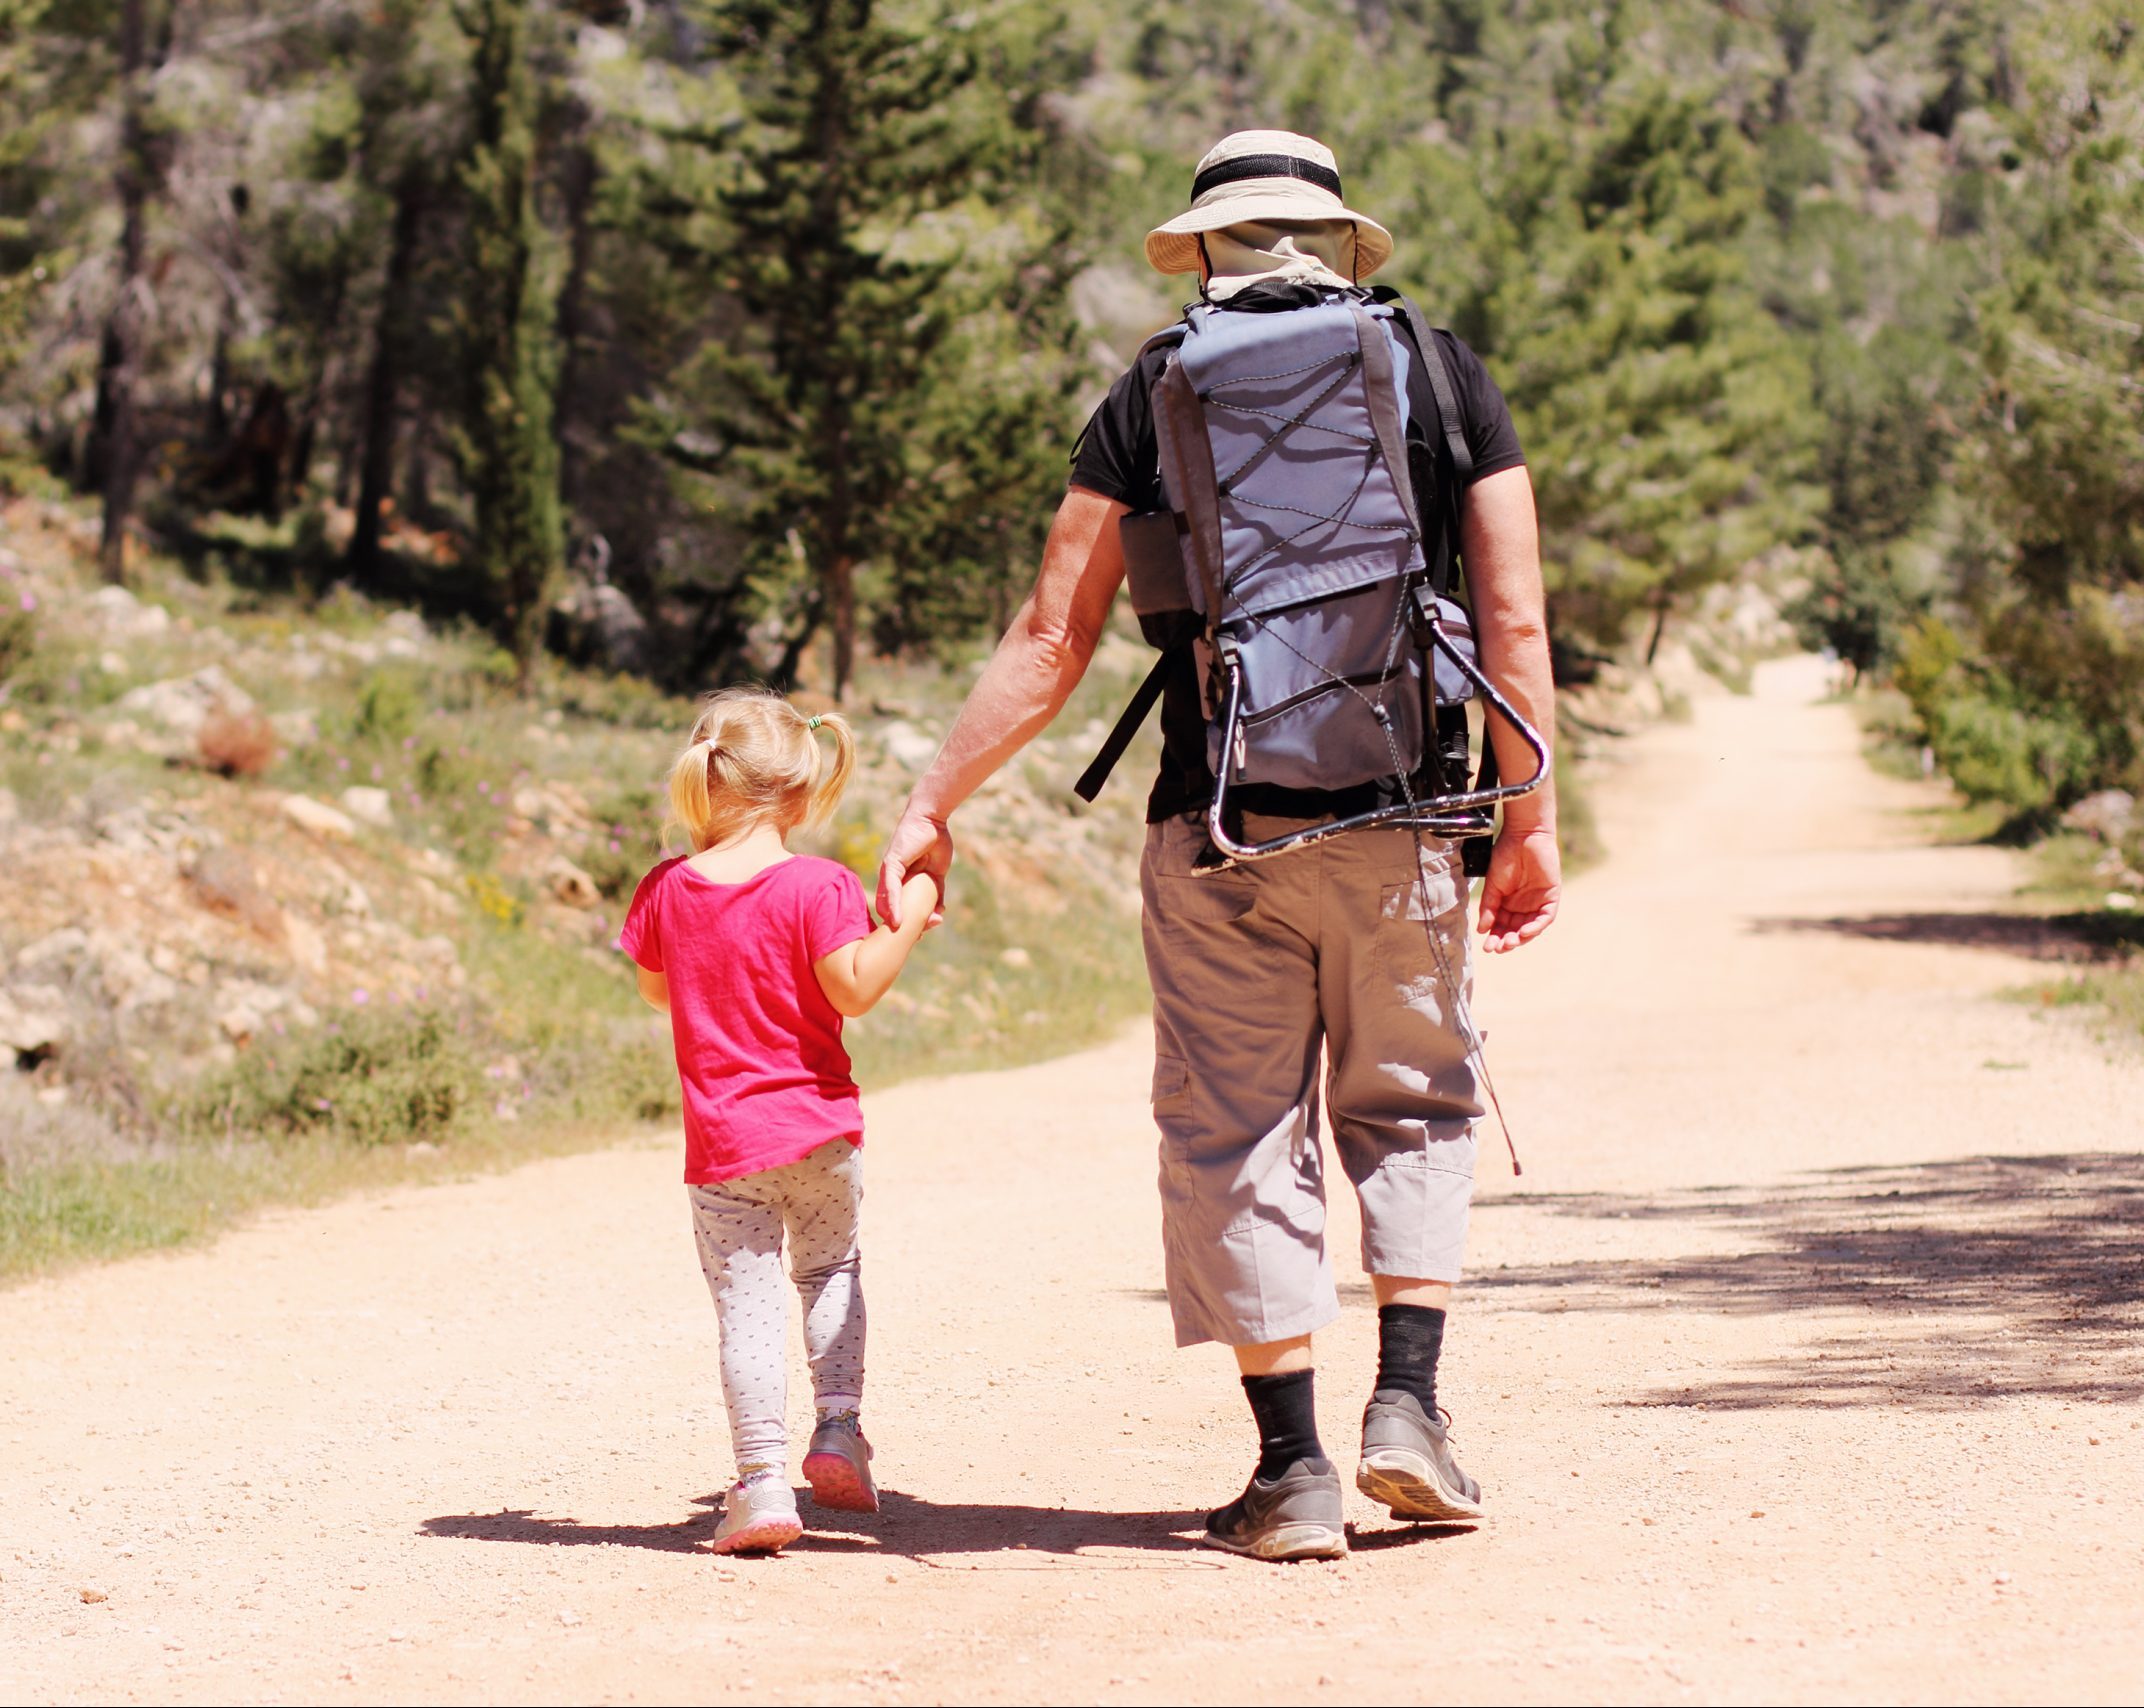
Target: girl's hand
{"x": 919, "y": 898}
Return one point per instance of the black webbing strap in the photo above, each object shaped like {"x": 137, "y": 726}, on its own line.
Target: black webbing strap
{"x": 1128, "y": 721}
{"x": 1474, "y": 852}
{"x": 1440, "y": 380}
{"x": 1454, "y": 432}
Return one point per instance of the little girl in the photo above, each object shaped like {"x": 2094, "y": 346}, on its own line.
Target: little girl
{"x": 756, "y": 954}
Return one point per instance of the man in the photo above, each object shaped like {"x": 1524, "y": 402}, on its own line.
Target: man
{"x": 1355, "y": 946}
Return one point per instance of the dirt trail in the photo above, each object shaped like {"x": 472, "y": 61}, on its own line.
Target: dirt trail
{"x": 1801, "y": 1364}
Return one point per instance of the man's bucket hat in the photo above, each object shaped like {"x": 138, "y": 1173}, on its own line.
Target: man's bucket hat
{"x": 1263, "y": 175}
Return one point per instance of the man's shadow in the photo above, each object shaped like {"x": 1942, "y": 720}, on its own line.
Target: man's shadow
{"x": 920, "y": 1530}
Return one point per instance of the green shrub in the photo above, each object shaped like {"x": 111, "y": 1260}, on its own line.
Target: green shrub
{"x": 1995, "y": 751}
{"x": 371, "y": 1077}
{"x": 1996, "y": 739}
{"x": 18, "y": 639}
{"x": 470, "y": 808}
{"x": 627, "y": 840}
{"x": 388, "y": 706}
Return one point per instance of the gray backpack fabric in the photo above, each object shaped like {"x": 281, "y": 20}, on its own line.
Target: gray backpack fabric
{"x": 1283, "y": 450}
{"x": 1299, "y": 564}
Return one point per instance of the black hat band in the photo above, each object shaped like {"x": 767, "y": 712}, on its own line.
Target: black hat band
{"x": 1265, "y": 166}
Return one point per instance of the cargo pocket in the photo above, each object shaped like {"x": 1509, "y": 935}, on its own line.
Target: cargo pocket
{"x": 1172, "y": 1113}
{"x": 1411, "y": 910}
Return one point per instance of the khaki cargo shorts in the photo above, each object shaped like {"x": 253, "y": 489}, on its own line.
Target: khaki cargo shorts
{"x": 1256, "y": 970}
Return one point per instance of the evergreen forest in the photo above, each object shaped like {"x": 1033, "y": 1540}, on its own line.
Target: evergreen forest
{"x": 719, "y": 338}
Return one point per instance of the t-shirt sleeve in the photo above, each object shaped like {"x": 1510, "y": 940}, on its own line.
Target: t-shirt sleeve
{"x": 1487, "y": 417}
{"x": 641, "y": 935}
{"x": 835, "y": 913}
{"x": 1116, "y": 453}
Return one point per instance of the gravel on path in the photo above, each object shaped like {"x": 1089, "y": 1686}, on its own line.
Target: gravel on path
{"x": 1801, "y": 1364}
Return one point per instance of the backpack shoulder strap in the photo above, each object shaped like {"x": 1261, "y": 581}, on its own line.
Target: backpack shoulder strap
{"x": 1440, "y": 378}
{"x": 1187, "y": 460}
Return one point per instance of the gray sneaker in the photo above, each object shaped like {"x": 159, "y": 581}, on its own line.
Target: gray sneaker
{"x": 837, "y": 1464}
{"x": 1407, "y": 1461}
{"x": 1297, "y": 1516}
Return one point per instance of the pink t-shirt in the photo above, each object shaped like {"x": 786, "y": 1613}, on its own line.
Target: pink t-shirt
{"x": 759, "y": 1053}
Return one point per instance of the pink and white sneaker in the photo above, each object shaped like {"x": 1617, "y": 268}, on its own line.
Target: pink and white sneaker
{"x": 759, "y": 1516}
{"x": 838, "y": 1465}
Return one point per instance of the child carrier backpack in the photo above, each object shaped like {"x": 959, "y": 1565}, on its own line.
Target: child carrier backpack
{"x": 1310, "y": 579}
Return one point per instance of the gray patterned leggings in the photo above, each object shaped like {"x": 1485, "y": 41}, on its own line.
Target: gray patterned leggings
{"x": 739, "y": 1225}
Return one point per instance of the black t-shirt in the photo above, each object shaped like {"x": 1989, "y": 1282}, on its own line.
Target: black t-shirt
{"x": 1117, "y": 455}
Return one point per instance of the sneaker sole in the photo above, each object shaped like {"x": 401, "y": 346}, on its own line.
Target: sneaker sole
{"x": 1408, "y": 1483}
{"x": 837, "y": 1484}
{"x": 768, "y": 1536}
{"x": 1298, "y": 1541}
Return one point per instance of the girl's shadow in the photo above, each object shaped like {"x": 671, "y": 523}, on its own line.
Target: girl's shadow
{"x": 904, "y": 1525}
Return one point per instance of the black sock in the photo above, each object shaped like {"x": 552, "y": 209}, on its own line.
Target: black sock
{"x": 1409, "y": 1337}
{"x": 1286, "y": 1408}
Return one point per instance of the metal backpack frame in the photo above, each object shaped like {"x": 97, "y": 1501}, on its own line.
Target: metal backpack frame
{"x": 1163, "y": 551}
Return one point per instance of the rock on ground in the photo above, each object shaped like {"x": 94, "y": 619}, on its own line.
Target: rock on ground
{"x": 317, "y": 818}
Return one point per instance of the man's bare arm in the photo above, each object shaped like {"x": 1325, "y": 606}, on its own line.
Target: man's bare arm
{"x": 1502, "y": 547}
{"x": 1037, "y": 665}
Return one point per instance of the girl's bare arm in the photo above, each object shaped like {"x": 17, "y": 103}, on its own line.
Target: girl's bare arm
{"x": 857, "y": 974}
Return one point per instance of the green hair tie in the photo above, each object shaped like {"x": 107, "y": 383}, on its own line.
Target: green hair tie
{"x": 814, "y": 721}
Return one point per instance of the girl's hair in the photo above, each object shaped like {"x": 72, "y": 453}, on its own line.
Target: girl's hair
{"x": 754, "y": 758}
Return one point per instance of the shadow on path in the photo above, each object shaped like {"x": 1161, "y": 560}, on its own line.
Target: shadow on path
{"x": 970, "y": 1538}
{"x": 977, "y": 1536}
{"x": 1978, "y": 1278}
{"x": 2067, "y": 937}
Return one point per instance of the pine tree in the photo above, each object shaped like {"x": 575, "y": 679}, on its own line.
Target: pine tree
{"x": 23, "y": 259}
{"x": 505, "y": 325}
{"x": 2056, "y": 622}
{"x": 1666, "y": 415}
{"x": 833, "y": 222}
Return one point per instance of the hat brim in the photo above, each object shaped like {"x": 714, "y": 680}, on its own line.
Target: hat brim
{"x": 1174, "y": 247}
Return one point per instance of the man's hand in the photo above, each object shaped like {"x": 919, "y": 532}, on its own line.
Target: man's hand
{"x": 1038, "y": 663}
{"x": 919, "y": 845}
{"x": 1524, "y": 887}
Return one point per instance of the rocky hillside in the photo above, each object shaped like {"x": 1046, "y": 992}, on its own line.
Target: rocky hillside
{"x": 277, "y": 870}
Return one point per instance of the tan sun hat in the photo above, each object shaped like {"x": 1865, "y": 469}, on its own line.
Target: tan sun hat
{"x": 1263, "y": 175}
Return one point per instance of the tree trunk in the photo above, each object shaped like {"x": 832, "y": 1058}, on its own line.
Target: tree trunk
{"x": 377, "y": 464}
{"x": 841, "y": 603}
{"x": 784, "y": 674}
{"x": 119, "y": 355}
{"x": 1661, "y": 601}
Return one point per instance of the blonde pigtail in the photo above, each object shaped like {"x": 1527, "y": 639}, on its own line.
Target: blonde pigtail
{"x": 834, "y": 774}
{"x": 692, "y": 806}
